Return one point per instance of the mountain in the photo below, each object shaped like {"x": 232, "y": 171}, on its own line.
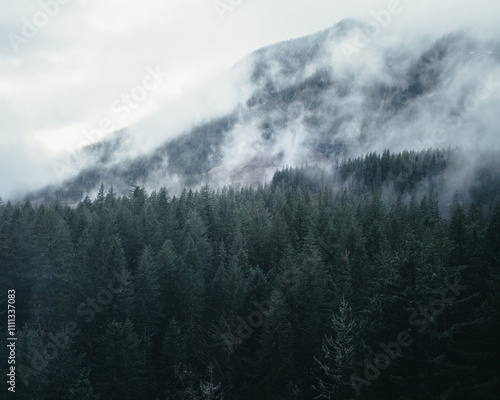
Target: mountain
{"x": 309, "y": 101}
{"x": 320, "y": 221}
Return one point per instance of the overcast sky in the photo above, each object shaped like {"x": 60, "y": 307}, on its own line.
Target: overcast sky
{"x": 69, "y": 73}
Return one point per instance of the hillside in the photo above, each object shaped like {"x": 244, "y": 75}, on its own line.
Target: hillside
{"x": 290, "y": 290}
{"x": 305, "y": 103}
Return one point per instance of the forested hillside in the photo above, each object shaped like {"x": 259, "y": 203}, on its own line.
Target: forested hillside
{"x": 301, "y": 101}
{"x": 337, "y": 284}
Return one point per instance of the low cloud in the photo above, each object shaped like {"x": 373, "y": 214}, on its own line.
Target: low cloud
{"x": 64, "y": 79}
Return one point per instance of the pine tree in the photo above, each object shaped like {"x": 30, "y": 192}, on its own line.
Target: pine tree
{"x": 169, "y": 272}
{"x": 82, "y": 389}
{"x": 147, "y": 308}
{"x": 173, "y": 362}
{"x": 457, "y": 232}
{"x": 118, "y": 372}
{"x": 100, "y": 196}
{"x": 337, "y": 359}
{"x": 198, "y": 247}
{"x": 209, "y": 389}
{"x": 277, "y": 352}
{"x": 31, "y": 364}
{"x": 259, "y": 249}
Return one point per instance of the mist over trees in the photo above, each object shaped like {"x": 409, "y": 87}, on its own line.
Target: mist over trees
{"x": 300, "y": 101}
{"x": 320, "y": 284}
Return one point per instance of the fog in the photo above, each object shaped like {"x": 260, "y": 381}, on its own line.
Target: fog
{"x": 460, "y": 84}
{"x": 59, "y": 86}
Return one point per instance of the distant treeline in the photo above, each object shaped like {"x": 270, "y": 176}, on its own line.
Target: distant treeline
{"x": 301, "y": 288}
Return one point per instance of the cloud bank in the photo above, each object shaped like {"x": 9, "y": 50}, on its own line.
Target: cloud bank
{"x": 63, "y": 76}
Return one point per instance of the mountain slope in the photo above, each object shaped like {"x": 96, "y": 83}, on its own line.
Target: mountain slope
{"x": 305, "y": 102}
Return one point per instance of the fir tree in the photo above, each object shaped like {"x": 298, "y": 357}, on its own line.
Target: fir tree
{"x": 337, "y": 359}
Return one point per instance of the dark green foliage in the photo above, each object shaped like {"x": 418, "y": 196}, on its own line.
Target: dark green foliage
{"x": 231, "y": 293}
{"x": 204, "y": 144}
{"x": 119, "y": 370}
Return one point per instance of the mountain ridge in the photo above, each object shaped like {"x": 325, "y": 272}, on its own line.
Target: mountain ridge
{"x": 305, "y": 106}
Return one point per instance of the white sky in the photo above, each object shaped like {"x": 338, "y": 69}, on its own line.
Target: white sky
{"x": 64, "y": 79}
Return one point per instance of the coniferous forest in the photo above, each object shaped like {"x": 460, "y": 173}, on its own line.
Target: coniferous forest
{"x": 354, "y": 282}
